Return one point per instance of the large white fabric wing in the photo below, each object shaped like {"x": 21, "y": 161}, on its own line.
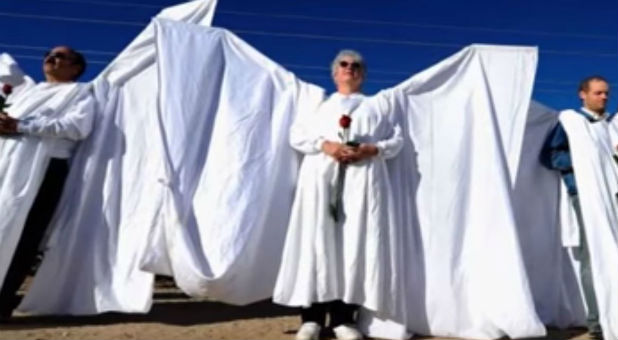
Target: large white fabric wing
{"x": 225, "y": 115}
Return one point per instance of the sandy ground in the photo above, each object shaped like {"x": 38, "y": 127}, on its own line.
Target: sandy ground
{"x": 176, "y": 316}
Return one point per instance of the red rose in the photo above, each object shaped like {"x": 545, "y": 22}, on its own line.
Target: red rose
{"x": 345, "y": 121}
{"x": 7, "y": 89}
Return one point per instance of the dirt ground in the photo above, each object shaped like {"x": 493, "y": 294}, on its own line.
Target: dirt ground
{"x": 176, "y": 316}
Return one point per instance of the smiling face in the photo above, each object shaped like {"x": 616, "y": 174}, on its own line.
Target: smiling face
{"x": 595, "y": 96}
{"x": 60, "y": 64}
{"x": 348, "y": 72}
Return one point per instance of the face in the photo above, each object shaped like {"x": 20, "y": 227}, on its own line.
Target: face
{"x": 348, "y": 71}
{"x": 59, "y": 64}
{"x": 595, "y": 98}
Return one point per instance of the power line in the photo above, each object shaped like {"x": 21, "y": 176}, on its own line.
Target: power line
{"x": 402, "y": 42}
{"x": 61, "y": 18}
{"x": 40, "y": 59}
{"x": 571, "y": 93}
{"x": 362, "y": 21}
{"x": 108, "y": 3}
{"x": 43, "y": 48}
{"x": 304, "y": 35}
{"x": 407, "y": 24}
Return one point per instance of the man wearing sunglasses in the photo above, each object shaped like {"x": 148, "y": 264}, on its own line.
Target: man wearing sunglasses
{"x": 38, "y": 133}
{"x": 336, "y": 253}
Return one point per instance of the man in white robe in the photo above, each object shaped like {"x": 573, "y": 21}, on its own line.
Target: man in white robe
{"x": 339, "y": 251}
{"x": 556, "y": 155}
{"x": 38, "y": 133}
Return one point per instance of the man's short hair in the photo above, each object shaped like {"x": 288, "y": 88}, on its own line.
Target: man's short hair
{"x": 584, "y": 85}
{"x": 349, "y": 53}
{"x": 79, "y": 60}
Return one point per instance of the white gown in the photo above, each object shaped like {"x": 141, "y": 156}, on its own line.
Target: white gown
{"x": 54, "y": 116}
{"x": 358, "y": 259}
{"x": 596, "y": 175}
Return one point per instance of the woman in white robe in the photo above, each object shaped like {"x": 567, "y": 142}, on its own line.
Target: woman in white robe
{"x": 337, "y": 259}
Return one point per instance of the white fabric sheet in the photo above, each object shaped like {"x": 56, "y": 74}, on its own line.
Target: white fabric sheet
{"x": 11, "y": 73}
{"x": 537, "y": 196}
{"x": 465, "y": 117}
{"x": 232, "y": 173}
{"x": 102, "y": 223}
{"x": 596, "y": 174}
{"x": 24, "y": 157}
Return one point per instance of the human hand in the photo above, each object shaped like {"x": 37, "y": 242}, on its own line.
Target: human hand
{"x": 337, "y": 150}
{"x": 362, "y": 152}
{"x": 8, "y": 125}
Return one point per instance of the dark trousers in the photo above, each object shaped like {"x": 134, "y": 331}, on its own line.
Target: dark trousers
{"x": 340, "y": 313}
{"x": 34, "y": 230}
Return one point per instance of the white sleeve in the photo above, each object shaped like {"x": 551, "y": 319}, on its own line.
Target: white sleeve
{"x": 302, "y": 139}
{"x": 392, "y": 141}
{"x": 75, "y": 124}
{"x": 390, "y": 147}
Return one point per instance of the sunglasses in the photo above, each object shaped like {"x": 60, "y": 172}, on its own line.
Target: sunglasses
{"x": 58, "y": 55}
{"x": 353, "y": 65}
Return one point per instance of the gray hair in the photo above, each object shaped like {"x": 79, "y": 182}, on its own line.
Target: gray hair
{"x": 349, "y": 53}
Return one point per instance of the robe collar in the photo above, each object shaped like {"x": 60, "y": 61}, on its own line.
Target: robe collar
{"x": 593, "y": 116}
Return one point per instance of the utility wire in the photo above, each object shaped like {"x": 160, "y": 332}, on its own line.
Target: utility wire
{"x": 40, "y": 58}
{"x": 360, "y": 21}
{"x": 302, "y": 35}
{"x": 45, "y": 49}
{"x": 70, "y": 19}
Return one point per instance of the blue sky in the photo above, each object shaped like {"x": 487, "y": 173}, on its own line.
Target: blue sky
{"x": 398, "y": 38}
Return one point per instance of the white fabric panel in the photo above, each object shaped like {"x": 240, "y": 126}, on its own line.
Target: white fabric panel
{"x": 537, "y": 196}
{"x": 231, "y": 170}
{"x": 475, "y": 281}
{"x": 106, "y": 211}
{"x": 596, "y": 174}
{"x": 11, "y": 73}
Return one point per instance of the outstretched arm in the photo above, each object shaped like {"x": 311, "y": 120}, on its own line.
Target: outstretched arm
{"x": 75, "y": 123}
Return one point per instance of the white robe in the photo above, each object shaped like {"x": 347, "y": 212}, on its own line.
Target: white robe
{"x": 57, "y": 116}
{"x": 359, "y": 259}
{"x": 596, "y": 174}
{"x": 106, "y": 211}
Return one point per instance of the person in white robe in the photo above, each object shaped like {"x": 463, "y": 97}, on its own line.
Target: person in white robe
{"x": 38, "y": 133}
{"x": 337, "y": 252}
{"x": 556, "y": 155}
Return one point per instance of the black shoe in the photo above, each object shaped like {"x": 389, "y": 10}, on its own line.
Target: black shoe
{"x": 5, "y": 316}
{"x": 596, "y": 335}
